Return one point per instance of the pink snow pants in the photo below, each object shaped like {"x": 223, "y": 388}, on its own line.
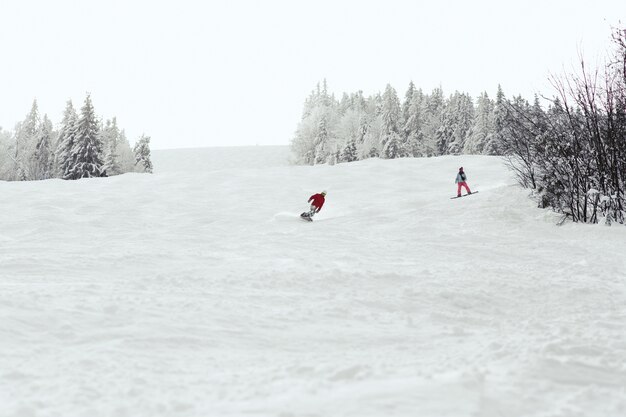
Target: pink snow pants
{"x": 463, "y": 184}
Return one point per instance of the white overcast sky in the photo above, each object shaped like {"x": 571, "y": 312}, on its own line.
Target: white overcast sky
{"x": 193, "y": 73}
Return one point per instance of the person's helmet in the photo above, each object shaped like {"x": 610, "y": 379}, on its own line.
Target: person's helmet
{"x": 461, "y": 169}
{"x": 323, "y": 193}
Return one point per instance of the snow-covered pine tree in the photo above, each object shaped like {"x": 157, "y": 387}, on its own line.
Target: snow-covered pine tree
{"x": 315, "y": 135}
{"x": 443, "y": 135}
{"x": 87, "y": 152}
{"x": 65, "y": 142}
{"x": 353, "y": 123}
{"x": 456, "y": 121}
{"x": 6, "y": 163}
{"x": 26, "y": 134}
{"x": 482, "y": 129}
{"x": 321, "y": 141}
{"x": 324, "y": 99}
{"x": 110, "y": 137}
{"x": 349, "y": 152}
{"x": 393, "y": 147}
{"x": 348, "y": 129}
{"x": 406, "y": 105}
{"x": 42, "y": 159}
{"x": 309, "y": 103}
{"x": 391, "y": 122}
{"x": 358, "y": 102}
{"x": 344, "y": 104}
{"x": 142, "y": 154}
{"x": 368, "y": 113}
{"x": 494, "y": 145}
{"x": 126, "y": 157}
{"x": 413, "y": 125}
{"x": 464, "y": 121}
{"x": 333, "y": 157}
{"x": 303, "y": 143}
{"x": 433, "y": 108}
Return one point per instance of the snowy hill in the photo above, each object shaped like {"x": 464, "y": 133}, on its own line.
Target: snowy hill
{"x": 197, "y": 291}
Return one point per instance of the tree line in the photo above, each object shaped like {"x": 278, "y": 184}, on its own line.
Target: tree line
{"x": 572, "y": 154}
{"x": 82, "y": 146}
{"x": 381, "y": 125}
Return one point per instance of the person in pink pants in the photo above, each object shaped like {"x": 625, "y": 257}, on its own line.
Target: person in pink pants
{"x": 460, "y": 181}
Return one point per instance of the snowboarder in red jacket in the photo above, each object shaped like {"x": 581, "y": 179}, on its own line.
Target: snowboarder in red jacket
{"x": 317, "y": 201}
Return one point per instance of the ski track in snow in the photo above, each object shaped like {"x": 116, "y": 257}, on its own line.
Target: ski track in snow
{"x": 197, "y": 291}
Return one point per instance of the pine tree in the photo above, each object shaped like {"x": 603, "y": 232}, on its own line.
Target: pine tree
{"x": 349, "y": 152}
{"x": 344, "y": 104}
{"x": 348, "y": 129}
{"x": 25, "y": 139}
{"x": 110, "y": 137}
{"x": 494, "y": 145}
{"x": 87, "y": 150}
{"x": 406, "y": 105}
{"x": 391, "y": 122}
{"x": 482, "y": 129}
{"x": 321, "y": 141}
{"x": 65, "y": 142}
{"x": 142, "y": 154}
{"x": 413, "y": 125}
{"x": 42, "y": 159}
{"x": 126, "y": 157}
{"x": 316, "y": 135}
{"x": 456, "y": 120}
{"x": 30, "y": 127}
{"x": 464, "y": 120}
{"x": 6, "y": 163}
{"x": 433, "y": 109}
{"x": 393, "y": 148}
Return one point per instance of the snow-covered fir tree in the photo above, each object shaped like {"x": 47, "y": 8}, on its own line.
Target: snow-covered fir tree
{"x": 393, "y": 147}
{"x": 349, "y": 129}
{"x": 315, "y": 140}
{"x": 391, "y": 116}
{"x": 6, "y": 162}
{"x": 482, "y": 129}
{"x": 125, "y": 155}
{"x": 371, "y": 146}
{"x": 349, "y": 152}
{"x": 142, "y": 154}
{"x": 406, "y": 106}
{"x": 26, "y": 134}
{"x": 456, "y": 121}
{"x": 42, "y": 159}
{"x": 494, "y": 145}
{"x": 321, "y": 143}
{"x": 433, "y": 109}
{"x": 87, "y": 152}
{"x": 110, "y": 137}
{"x": 414, "y": 123}
{"x": 65, "y": 141}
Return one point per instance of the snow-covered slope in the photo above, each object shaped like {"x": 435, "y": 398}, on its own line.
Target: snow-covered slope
{"x": 197, "y": 291}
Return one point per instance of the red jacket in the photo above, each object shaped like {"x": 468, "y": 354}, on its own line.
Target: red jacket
{"x": 318, "y": 201}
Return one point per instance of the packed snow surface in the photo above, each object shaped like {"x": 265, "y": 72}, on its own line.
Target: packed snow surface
{"x": 197, "y": 291}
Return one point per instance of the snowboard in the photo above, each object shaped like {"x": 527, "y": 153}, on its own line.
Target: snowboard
{"x": 305, "y": 216}
{"x": 464, "y": 195}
